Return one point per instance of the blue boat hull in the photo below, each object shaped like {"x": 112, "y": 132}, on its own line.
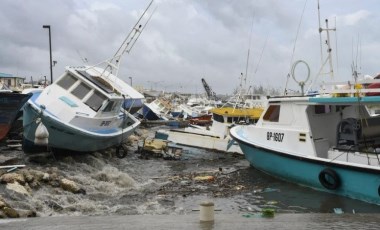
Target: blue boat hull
{"x": 63, "y": 136}
{"x": 354, "y": 182}
{"x": 10, "y": 110}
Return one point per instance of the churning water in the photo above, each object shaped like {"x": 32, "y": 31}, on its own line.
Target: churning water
{"x": 155, "y": 186}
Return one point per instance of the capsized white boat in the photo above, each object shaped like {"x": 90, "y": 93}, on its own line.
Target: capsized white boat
{"x": 82, "y": 110}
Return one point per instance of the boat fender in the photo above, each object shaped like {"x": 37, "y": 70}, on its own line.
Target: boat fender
{"x": 41, "y": 135}
{"x": 329, "y": 179}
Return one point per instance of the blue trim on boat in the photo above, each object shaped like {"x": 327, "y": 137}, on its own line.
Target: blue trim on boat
{"x": 35, "y": 96}
{"x": 103, "y": 131}
{"x": 344, "y": 100}
{"x": 300, "y": 158}
{"x": 354, "y": 182}
{"x": 68, "y": 101}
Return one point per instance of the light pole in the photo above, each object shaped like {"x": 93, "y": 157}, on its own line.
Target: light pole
{"x": 131, "y": 80}
{"x": 51, "y": 62}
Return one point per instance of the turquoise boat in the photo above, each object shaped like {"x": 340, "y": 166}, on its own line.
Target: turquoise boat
{"x": 329, "y": 142}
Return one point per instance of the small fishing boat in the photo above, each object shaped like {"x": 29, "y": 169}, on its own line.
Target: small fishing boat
{"x": 158, "y": 109}
{"x": 324, "y": 142}
{"x": 10, "y": 107}
{"x": 82, "y": 110}
{"x": 328, "y": 141}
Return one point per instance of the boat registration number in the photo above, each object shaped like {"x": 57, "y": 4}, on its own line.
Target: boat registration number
{"x": 105, "y": 123}
{"x": 273, "y": 136}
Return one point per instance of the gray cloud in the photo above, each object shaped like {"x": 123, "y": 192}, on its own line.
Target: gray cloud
{"x": 185, "y": 40}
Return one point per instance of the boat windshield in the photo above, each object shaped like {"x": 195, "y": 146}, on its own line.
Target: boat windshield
{"x": 96, "y": 100}
{"x": 272, "y": 113}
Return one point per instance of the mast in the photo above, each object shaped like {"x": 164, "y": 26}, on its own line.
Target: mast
{"x": 112, "y": 64}
{"x": 320, "y": 32}
{"x": 327, "y": 30}
{"x": 329, "y": 47}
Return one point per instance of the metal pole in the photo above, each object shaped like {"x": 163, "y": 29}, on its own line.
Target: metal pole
{"x": 51, "y": 60}
{"x": 131, "y": 80}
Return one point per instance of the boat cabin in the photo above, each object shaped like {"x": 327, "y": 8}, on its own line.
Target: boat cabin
{"x": 317, "y": 126}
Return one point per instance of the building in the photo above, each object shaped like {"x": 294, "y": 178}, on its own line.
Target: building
{"x": 8, "y": 81}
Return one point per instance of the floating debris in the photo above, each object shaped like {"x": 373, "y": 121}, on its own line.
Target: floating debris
{"x": 159, "y": 148}
{"x": 338, "y": 211}
{"x": 267, "y": 212}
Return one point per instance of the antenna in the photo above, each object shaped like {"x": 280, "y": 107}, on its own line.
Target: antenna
{"x": 294, "y": 48}
{"x": 261, "y": 54}
{"x": 84, "y": 59}
{"x": 128, "y": 43}
{"x": 249, "y": 47}
{"x": 320, "y": 31}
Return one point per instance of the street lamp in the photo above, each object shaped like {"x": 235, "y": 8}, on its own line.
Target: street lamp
{"x": 51, "y": 62}
{"x": 131, "y": 80}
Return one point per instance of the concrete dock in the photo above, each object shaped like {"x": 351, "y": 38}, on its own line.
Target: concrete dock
{"x": 183, "y": 222}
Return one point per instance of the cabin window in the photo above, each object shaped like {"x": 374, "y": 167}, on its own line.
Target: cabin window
{"x": 96, "y": 100}
{"x": 272, "y": 113}
{"x": 218, "y": 118}
{"x": 67, "y": 81}
{"x": 111, "y": 105}
{"x": 81, "y": 90}
{"x": 321, "y": 109}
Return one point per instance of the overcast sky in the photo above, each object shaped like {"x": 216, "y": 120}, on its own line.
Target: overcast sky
{"x": 187, "y": 40}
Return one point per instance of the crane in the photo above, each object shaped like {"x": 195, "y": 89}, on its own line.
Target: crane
{"x": 210, "y": 94}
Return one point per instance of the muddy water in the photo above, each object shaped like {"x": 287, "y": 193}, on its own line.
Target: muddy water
{"x": 155, "y": 186}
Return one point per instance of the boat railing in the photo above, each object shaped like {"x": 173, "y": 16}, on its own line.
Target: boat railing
{"x": 352, "y": 88}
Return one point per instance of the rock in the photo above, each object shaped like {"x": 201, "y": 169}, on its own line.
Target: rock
{"x": 2, "y": 215}
{"x": 10, "y": 212}
{"x": 16, "y": 187}
{"x": 46, "y": 177}
{"x": 204, "y": 178}
{"x": 54, "y": 205}
{"x": 12, "y": 177}
{"x": 71, "y": 186}
{"x": 27, "y": 213}
{"x": 33, "y": 175}
{"x": 133, "y": 138}
{"x": 3, "y": 204}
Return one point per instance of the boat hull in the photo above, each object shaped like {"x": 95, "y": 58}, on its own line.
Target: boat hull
{"x": 63, "y": 136}
{"x": 149, "y": 115}
{"x": 200, "y": 140}
{"x": 10, "y": 106}
{"x": 354, "y": 182}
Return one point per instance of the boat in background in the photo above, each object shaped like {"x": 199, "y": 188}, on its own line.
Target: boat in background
{"x": 82, "y": 111}
{"x": 158, "y": 109}
{"x": 216, "y": 136}
{"x": 10, "y": 107}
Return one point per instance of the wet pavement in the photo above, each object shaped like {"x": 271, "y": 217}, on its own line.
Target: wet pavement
{"x": 222, "y": 221}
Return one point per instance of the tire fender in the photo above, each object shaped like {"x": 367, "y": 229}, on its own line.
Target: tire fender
{"x": 329, "y": 179}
